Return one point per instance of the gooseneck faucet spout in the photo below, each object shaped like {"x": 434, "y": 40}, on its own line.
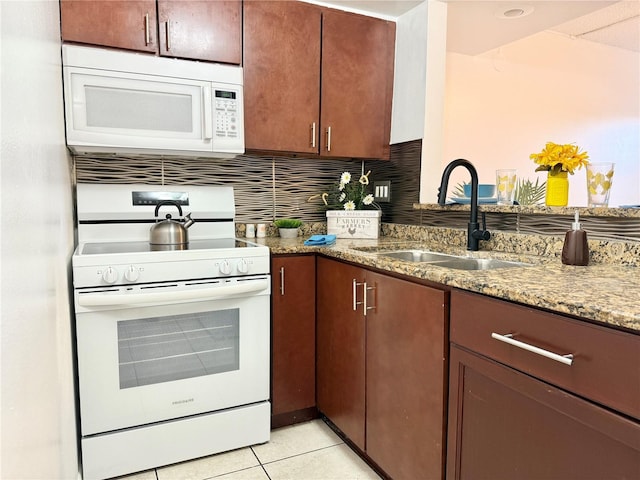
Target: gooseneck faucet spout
{"x": 474, "y": 233}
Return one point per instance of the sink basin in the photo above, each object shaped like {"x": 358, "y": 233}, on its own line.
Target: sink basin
{"x": 477, "y": 263}
{"x": 451, "y": 261}
{"x": 417, "y": 256}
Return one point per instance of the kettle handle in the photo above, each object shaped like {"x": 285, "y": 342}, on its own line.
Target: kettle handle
{"x": 168, "y": 202}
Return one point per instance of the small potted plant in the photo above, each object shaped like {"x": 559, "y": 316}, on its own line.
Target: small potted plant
{"x": 288, "y": 227}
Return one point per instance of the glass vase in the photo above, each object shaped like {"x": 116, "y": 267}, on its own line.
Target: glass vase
{"x": 557, "y": 190}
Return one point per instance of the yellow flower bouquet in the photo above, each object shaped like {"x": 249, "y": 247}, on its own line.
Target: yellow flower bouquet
{"x": 556, "y": 158}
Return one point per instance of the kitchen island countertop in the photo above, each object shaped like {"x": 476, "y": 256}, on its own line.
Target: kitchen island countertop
{"x": 606, "y": 293}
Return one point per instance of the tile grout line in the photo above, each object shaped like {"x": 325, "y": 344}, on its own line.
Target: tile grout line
{"x": 299, "y": 454}
{"x": 260, "y": 462}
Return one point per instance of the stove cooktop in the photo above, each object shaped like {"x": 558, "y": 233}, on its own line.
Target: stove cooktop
{"x": 114, "y": 263}
{"x": 98, "y": 248}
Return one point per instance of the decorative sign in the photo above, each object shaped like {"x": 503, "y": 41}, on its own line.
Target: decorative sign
{"x": 354, "y": 223}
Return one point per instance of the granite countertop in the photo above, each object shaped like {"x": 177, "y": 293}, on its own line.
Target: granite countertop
{"x": 607, "y": 293}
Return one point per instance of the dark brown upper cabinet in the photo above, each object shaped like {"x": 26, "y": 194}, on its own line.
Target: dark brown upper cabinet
{"x": 207, "y": 30}
{"x": 282, "y": 76}
{"x": 121, "y": 24}
{"x": 357, "y": 85}
{"x": 201, "y": 30}
{"x": 317, "y": 81}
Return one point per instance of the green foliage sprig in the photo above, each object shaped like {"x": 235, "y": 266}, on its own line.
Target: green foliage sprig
{"x": 287, "y": 223}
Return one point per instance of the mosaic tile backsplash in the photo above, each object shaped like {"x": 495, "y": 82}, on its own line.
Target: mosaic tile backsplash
{"x": 268, "y": 187}
{"x": 271, "y": 187}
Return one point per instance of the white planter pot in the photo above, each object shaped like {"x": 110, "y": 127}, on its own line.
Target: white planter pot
{"x": 354, "y": 223}
{"x": 288, "y": 232}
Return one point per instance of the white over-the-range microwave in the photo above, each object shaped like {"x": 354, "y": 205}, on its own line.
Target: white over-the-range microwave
{"x": 129, "y": 103}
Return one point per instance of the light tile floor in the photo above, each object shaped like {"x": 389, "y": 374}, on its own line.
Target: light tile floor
{"x": 306, "y": 451}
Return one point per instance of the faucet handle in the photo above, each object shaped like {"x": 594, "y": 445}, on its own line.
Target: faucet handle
{"x": 483, "y": 234}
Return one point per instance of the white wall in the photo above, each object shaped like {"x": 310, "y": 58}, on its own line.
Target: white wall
{"x": 410, "y": 75}
{"x": 502, "y": 106}
{"x": 38, "y": 409}
{"x": 419, "y": 80}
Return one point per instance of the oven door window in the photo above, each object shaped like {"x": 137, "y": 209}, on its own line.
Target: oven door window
{"x": 165, "y": 349}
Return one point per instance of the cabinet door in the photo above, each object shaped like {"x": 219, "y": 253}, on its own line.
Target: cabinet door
{"x": 281, "y": 76}
{"x": 293, "y": 333}
{"x": 406, "y": 377}
{"x": 504, "y": 424}
{"x": 129, "y": 24}
{"x": 340, "y": 349}
{"x": 357, "y": 85}
{"x": 201, "y": 29}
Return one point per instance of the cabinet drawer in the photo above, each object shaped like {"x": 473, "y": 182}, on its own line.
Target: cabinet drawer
{"x": 605, "y": 366}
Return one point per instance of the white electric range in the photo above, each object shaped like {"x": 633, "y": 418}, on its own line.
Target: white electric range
{"x": 172, "y": 343}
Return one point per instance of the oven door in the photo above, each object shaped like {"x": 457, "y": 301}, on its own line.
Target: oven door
{"x": 181, "y": 355}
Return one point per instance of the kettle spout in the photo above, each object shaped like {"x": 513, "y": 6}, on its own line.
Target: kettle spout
{"x": 188, "y": 221}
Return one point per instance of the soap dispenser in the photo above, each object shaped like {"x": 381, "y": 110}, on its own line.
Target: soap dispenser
{"x": 575, "y": 250}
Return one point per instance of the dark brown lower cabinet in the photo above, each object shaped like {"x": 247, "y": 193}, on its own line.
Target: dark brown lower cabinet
{"x": 293, "y": 394}
{"x": 406, "y": 376}
{"x": 382, "y": 366}
{"x": 340, "y": 347}
{"x": 537, "y": 395}
{"x": 507, "y": 425}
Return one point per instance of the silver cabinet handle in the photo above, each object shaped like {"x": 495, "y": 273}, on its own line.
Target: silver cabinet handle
{"x": 366, "y": 307}
{"x": 313, "y": 135}
{"x": 167, "y": 25}
{"x": 328, "y": 139}
{"x": 508, "y": 338}
{"x": 355, "y": 294}
{"x": 147, "y": 34}
{"x": 282, "y": 281}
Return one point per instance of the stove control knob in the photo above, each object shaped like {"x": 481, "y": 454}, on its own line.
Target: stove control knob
{"x": 110, "y": 275}
{"x": 132, "y": 273}
{"x": 243, "y": 266}
{"x": 225, "y": 268}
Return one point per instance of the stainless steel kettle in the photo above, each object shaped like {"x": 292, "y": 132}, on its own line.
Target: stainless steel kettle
{"x": 170, "y": 234}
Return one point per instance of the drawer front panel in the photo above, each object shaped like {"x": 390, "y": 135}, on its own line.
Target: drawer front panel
{"x": 605, "y": 363}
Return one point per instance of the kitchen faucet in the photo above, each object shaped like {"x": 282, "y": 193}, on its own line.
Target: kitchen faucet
{"x": 474, "y": 234}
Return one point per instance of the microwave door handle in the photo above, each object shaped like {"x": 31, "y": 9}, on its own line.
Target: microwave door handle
{"x": 207, "y": 126}
{"x": 159, "y": 298}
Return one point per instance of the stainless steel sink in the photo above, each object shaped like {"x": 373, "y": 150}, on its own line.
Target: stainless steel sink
{"x": 417, "y": 256}
{"x": 451, "y": 261}
{"x": 478, "y": 264}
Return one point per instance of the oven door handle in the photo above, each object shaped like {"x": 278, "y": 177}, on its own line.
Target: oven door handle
{"x": 158, "y": 297}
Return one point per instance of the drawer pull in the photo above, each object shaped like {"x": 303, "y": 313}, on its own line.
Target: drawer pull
{"x": 508, "y": 338}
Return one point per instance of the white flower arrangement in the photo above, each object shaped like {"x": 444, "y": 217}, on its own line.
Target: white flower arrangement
{"x": 349, "y": 195}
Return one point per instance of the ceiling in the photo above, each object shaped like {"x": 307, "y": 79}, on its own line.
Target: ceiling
{"x": 617, "y": 25}
{"x": 385, "y": 8}
{"x": 477, "y": 26}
